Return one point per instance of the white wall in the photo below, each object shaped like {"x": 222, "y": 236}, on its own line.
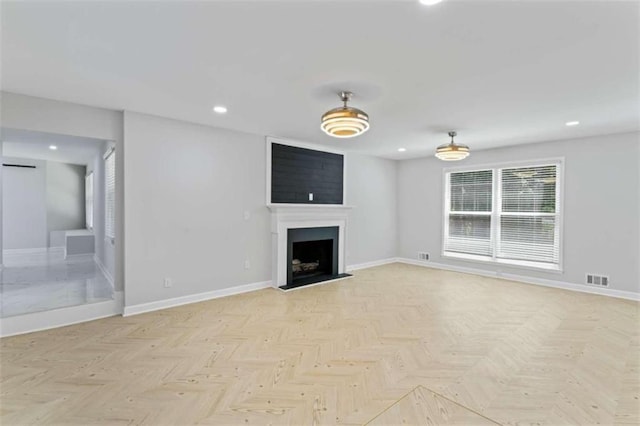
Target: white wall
{"x": 187, "y": 188}
{"x": 371, "y": 190}
{"x": 45, "y": 115}
{"x": 38, "y": 201}
{"x": 601, "y": 207}
{"x": 65, "y": 196}
{"x": 24, "y": 213}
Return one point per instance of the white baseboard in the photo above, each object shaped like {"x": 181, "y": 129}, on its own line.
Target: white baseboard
{"x": 193, "y": 298}
{"x": 104, "y": 270}
{"x": 38, "y": 321}
{"x": 37, "y": 250}
{"x": 629, "y": 295}
{"x": 371, "y": 264}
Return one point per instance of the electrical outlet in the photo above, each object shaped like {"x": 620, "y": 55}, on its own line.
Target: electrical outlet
{"x": 167, "y": 282}
{"x": 247, "y": 215}
{"x": 423, "y": 256}
{"x": 247, "y": 264}
{"x": 311, "y": 196}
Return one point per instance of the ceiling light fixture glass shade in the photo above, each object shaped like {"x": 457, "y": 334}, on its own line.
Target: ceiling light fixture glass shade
{"x": 452, "y": 151}
{"x": 345, "y": 121}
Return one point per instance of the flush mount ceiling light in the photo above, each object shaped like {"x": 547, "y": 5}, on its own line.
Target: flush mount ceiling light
{"x": 430, "y": 2}
{"x": 219, "y": 109}
{"x": 53, "y": 147}
{"x": 345, "y": 121}
{"x": 452, "y": 151}
{"x": 572, "y": 123}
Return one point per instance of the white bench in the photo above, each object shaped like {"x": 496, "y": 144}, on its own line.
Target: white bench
{"x": 74, "y": 241}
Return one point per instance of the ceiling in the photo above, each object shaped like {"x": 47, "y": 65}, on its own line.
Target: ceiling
{"x": 499, "y": 72}
{"x": 35, "y": 145}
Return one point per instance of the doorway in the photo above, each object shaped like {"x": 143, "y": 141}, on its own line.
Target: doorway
{"x": 57, "y": 222}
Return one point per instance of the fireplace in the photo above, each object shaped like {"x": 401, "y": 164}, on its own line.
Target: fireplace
{"x": 308, "y": 244}
{"x": 312, "y": 255}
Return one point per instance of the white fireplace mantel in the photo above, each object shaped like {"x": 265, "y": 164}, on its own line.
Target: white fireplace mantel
{"x": 292, "y": 216}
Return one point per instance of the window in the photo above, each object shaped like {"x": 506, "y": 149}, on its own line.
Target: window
{"x": 505, "y": 215}
{"x": 110, "y": 199}
{"x": 88, "y": 200}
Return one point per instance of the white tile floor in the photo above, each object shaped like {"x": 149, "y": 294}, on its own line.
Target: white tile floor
{"x": 44, "y": 281}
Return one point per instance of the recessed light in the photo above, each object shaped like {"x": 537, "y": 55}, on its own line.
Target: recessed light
{"x": 430, "y": 2}
{"x": 220, "y": 109}
{"x": 53, "y": 147}
{"x": 572, "y": 123}
{"x": 402, "y": 149}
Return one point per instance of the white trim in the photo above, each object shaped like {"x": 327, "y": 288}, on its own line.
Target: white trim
{"x": 93, "y": 191}
{"x": 306, "y": 145}
{"x": 345, "y": 175}
{"x": 505, "y": 164}
{"x": 560, "y": 206}
{"x": 104, "y": 270}
{"x": 287, "y": 217}
{"x": 38, "y": 321}
{"x": 270, "y": 140}
{"x": 371, "y": 264}
{"x": 193, "y": 298}
{"x": 109, "y": 233}
{"x": 38, "y": 250}
{"x": 629, "y": 295}
{"x": 284, "y": 206}
{"x": 520, "y": 264}
{"x": 108, "y": 152}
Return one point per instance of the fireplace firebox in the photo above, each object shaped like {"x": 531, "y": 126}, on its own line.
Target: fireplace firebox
{"x": 312, "y": 256}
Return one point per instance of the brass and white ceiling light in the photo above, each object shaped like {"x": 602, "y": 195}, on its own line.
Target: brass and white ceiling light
{"x": 452, "y": 151}
{"x": 345, "y": 121}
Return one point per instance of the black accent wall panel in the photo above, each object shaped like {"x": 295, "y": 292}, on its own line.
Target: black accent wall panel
{"x": 296, "y": 172}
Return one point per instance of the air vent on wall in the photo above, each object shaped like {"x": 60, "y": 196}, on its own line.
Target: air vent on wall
{"x": 423, "y": 256}
{"x": 598, "y": 280}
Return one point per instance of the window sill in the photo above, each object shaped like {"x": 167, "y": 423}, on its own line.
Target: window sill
{"x": 521, "y": 264}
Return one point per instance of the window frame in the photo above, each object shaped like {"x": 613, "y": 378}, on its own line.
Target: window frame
{"x": 110, "y": 153}
{"x": 497, "y": 210}
{"x": 89, "y": 200}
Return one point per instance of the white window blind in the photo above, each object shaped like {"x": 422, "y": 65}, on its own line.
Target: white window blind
{"x": 110, "y": 199}
{"x": 468, "y": 222}
{"x": 508, "y": 215}
{"x": 528, "y": 214}
{"x": 88, "y": 200}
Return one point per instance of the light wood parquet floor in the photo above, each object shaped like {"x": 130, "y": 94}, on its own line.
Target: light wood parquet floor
{"x": 365, "y": 350}
{"x": 425, "y": 407}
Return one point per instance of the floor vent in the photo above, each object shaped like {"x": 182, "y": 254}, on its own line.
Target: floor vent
{"x": 599, "y": 280}
{"x": 423, "y": 256}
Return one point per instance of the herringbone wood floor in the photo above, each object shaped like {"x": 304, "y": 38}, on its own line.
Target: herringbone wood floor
{"x": 424, "y": 407}
{"x": 341, "y": 353}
